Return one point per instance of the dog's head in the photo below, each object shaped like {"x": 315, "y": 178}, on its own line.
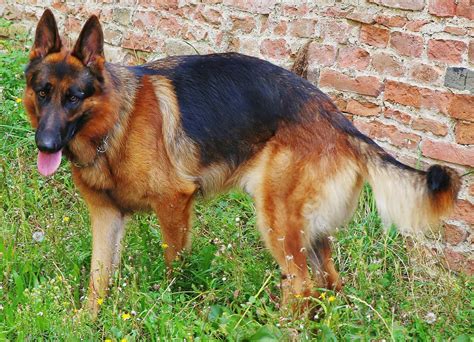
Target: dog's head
{"x": 62, "y": 86}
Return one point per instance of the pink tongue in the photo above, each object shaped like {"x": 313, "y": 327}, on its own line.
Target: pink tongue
{"x": 48, "y": 163}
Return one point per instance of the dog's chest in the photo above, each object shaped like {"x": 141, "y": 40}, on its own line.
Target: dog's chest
{"x": 131, "y": 187}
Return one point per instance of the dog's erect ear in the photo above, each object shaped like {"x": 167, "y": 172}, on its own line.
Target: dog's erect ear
{"x": 90, "y": 44}
{"x": 47, "y": 38}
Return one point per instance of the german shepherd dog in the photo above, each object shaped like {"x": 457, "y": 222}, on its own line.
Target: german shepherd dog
{"x": 152, "y": 137}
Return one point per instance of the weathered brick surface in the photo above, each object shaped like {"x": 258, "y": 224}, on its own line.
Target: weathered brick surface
{"x": 374, "y": 35}
{"x": 442, "y": 8}
{"x": 465, "y": 133}
{"x": 407, "y": 44}
{"x": 448, "y": 51}
{"x": 400, "y": 69}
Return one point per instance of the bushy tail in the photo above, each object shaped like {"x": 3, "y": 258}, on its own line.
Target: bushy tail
{"x": 411, "y": 199}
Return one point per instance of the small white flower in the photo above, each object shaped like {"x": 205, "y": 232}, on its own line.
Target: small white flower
{"x": 40, "y": 313}
{"x": 430, "y": 318}
{"x": 38, "y": 236}
{"x": 237, "y": 219}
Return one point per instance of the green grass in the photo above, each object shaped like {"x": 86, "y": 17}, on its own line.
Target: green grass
{"x": 226, "y": 289}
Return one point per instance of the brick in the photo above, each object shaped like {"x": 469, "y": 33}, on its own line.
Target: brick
{"x": 259, "y": 7}
{"x": 295, "y": 10}
{"x": 454, "y": 30}
{"x": 428, "y": 125}
{"x": 459, "y": 78}
{"x": 409, "y": 95}
{"x": 407, "y": 44}
{"x": 464, "y": 133}
{"x": 364, "y": 16}
{"x": 243, "y": 24}
{"x": 390, "y": 133}
{"x": 471, "y": 190}
{"x": 121, "y": 16}
{"x": 442, "y": 8}
{"x": 402, "y": 93}
{"x": 195, "y": 33}
{"x": 465, "y": 9}
{"x": 449, "y": 152}
{"x": 385, "y": 63}
{"x": 339, "y": 101}
{"x": 458, "y": 262}
{"x": 249, "y": 45}
{"x": 362, "y": 108}
{"x": 337, "y": 31}
{"x": 159, "y": 5}
{"x": 353, "y": 58}
{"x": 374, "y": 35}
{"x": 210, "y": 16}
{"x": 447, "y": 51}
{"x": 391, "y": 21}
{"x": 142, "y": 42}
{"x": 144, "y": 20}
{"x": 397, "y": 115}
{"x": 413, "y": 5}
{"x": 464, "y": 211}
{"x": 364, "y": 85}
{"x": 113, "y": 37}
{"x": 170, "y": 26}
{"x": 462, "y": 107}
{"x": 303, "y": 28}
{"x": 324, "y": 55}
{"x": 280, "y": 28}
{"x": 471, "y": 52}
{"x": 274, "y": 48}
{"x": 435, "y": 99}
{"x": 453, "y": 234}
{"x": 416, "y": 25}
{"x": 425, "y": 73}
{"x": 336, "y": 12}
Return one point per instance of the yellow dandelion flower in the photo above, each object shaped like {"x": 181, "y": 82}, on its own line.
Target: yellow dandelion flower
{"x": 66, "y": 219}
{"x": 164, "y": 245}
{"x": 100, "y": 301}
{"x": 18, "y": 100}
{"x": 331, "y": 299}
{"x": 126, "y": 316}
{"x": 322, "y": 295}
{"x": 123, "y": 340}
{"x": 107, "y": 340}
{"x": 298, "y": 295}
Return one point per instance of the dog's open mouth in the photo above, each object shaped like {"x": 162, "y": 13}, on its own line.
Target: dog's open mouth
{"x": 48, "y": 163}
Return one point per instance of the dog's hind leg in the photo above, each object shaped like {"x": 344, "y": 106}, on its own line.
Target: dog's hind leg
{"x": 174, "y": 214}
{"x": 324, "y": 270}
{"x": 285, "y": 240}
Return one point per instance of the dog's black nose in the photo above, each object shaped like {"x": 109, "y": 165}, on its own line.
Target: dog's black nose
{"x": 48, "y": 141}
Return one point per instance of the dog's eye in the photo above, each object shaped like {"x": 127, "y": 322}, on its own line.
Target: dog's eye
{"x": 73, "y": 99}
{"x": 42, "y": 93}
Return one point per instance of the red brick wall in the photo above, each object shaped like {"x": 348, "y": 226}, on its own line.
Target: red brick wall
{"x": 402, "y": 70}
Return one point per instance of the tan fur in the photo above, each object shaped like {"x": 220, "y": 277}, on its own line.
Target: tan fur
{"x": 182, "y": 151}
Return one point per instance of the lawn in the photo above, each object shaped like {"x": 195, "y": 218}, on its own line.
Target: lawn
{"x": 225, "y": 289}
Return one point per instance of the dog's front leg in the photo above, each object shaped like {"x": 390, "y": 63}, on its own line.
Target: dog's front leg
{"x": 107, "y": 232}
